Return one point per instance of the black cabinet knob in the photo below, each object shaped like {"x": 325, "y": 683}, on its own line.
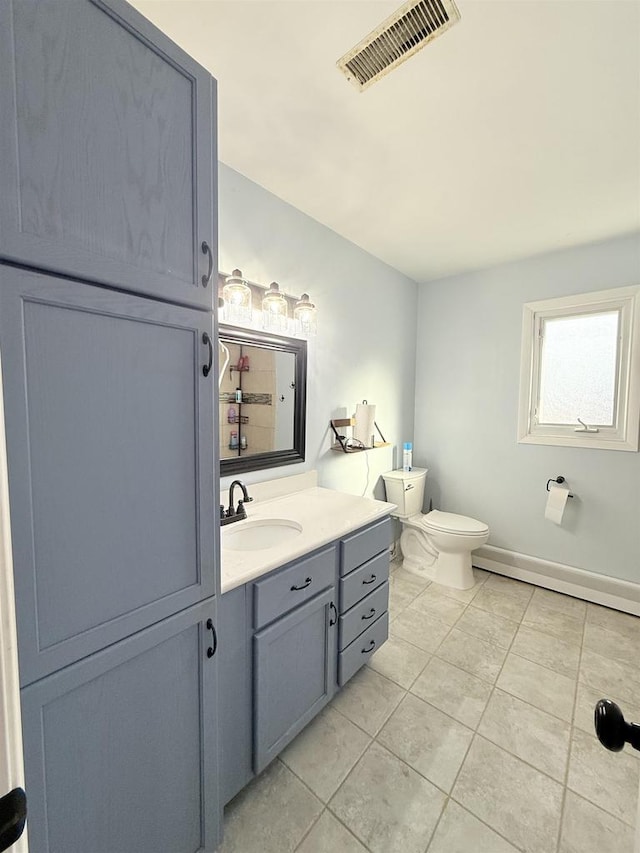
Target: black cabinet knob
{"x": 612, "y": 729}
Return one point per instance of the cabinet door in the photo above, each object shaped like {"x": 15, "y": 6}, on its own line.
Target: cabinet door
{"x": 110, "y": 439}
{"x": 120, "y": 749}
{"x": 294, "y": 674}
{"x": 108, "y": 157}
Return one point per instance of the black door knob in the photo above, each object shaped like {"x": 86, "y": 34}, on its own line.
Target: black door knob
{"x": 13, "y": 815}
{"x": 612, "y": 729}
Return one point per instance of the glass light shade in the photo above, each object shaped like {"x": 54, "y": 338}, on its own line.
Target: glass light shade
{"x": 237, "y": 300}
{"x": 305, "y": 317}
{"x": 274, "y": 309}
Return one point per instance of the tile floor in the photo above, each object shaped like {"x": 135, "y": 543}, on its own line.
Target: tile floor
{"x": 470, "y": 732}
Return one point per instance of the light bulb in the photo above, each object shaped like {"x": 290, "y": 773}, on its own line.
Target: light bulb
{"x": 305, "y": 316}
{"x": 274, "y": 309}
{"x": 237, "y": 299}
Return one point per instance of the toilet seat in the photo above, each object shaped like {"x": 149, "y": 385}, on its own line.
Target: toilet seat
{"x": 450, "y": 522}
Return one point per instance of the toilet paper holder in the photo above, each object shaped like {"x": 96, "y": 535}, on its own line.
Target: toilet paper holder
{"x": 559, "y": 479}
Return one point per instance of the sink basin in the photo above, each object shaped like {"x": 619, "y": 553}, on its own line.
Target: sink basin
{"x": 260, "y": 534}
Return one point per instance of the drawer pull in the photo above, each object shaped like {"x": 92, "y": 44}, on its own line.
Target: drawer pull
{"x": 295, "y": 588}
{"x": 372, "y": 646}
{"x": 371, "y": 579}
{"x": 371, "y": 613}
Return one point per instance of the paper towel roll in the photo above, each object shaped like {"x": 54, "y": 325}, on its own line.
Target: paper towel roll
{"x": 364, "y": 426}
{"x": 556, "y": 503}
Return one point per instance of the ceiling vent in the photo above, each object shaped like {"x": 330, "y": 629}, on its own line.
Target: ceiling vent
{"x": 396, "y": 39}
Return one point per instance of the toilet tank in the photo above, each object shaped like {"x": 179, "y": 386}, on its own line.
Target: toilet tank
{"x": 406, "y": 490}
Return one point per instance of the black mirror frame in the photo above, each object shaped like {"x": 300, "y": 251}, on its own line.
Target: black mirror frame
{"x": 274, "y": 458}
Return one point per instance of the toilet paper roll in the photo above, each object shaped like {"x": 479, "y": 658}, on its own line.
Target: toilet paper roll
{"x": 556, "y": 502}
{"x": 364, "y": 426}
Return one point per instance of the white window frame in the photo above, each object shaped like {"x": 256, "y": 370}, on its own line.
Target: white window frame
{"x": 625, "y": 432}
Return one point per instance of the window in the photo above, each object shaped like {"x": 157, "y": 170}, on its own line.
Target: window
{"x": 580, "y": 371}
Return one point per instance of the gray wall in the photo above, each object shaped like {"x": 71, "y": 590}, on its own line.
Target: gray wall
{"x": 467, "y": 377}
{"x": 365, "y": 347}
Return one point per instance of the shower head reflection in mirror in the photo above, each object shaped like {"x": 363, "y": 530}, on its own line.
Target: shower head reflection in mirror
{"x": 227, "y": 357}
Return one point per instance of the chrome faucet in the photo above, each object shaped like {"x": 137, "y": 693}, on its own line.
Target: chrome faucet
{"x": 232, "y": 514}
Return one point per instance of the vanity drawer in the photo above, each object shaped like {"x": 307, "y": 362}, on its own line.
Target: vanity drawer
{"x": 284, "y": 589}
{"x": 363, "y": 581}
{"x": 362, "y": 615}
{"x": 361, "y": 546}
{"x": 360, "y": 651}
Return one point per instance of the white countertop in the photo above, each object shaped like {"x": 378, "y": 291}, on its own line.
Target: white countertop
{"x": 325, "y": 515}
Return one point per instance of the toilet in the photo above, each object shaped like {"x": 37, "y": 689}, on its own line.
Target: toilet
{"x": 435, "y": 545}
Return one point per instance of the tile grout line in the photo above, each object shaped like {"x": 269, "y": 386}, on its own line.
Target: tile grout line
{"x": 473, "y": 739}
{"x": 407, "y": 691}
{"x": 371, "y": 739}
{"x": 343, "y": 825}
{"x": 325, "y": 806}
{"x": 549, "y": 669}
{"x": 565, "y": 786}
{"x": 310, "y": 829}
{"x": 465, "y": 606}
{"x": 359, "y": 727}
{"x": 531, "y": 705}
{"x": 462, "y": 763}
{"x": 476, "y": 734}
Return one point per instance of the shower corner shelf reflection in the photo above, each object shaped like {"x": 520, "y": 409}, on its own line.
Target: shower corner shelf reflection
{"x": 341, "y": 443}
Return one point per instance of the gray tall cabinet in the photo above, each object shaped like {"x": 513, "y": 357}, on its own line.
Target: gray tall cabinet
{"x": 107, "y": 267}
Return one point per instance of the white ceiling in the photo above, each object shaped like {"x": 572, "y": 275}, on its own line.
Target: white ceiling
{"x": 515, "y": 132}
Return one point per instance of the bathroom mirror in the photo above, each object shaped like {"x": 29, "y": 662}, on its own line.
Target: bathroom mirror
{"x": 262, "y": 400}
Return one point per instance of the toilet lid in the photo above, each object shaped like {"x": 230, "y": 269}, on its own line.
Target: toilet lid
{"x": 449, "y": 521}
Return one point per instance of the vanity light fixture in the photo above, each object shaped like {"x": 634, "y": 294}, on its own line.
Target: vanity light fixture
{"x": 305, "y": 317}
{"x": 278, "y": 312}
{"x": 274, "y": 309}
{"x": 237, "y": 300}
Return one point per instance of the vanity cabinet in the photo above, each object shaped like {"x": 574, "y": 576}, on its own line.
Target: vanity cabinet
{"x": 120, "y": 748}
{"x": 108, "y": 158}
{"x": 278, "y": 657}
{"x": 289, "y": 639}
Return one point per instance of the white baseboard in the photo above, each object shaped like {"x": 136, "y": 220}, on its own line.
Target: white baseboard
{"x": 590, "y": 586}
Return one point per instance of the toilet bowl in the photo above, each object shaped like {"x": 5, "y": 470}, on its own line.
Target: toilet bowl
{"x": 435, "y": 545}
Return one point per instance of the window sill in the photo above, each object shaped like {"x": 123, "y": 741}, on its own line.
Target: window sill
{"x": 596, "y": 441}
